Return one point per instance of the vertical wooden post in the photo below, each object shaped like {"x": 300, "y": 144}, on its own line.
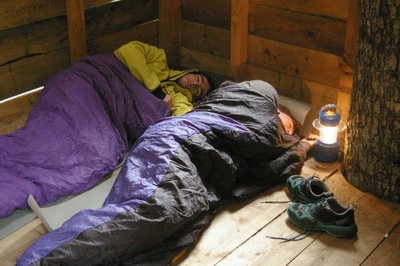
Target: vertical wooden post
{"x": 348, "y": 63}
{"x": 349, "y": 55}
{"x": 169, "y": 29}
{"x": 76, "y": 29}
{"x": 239, "y": 33}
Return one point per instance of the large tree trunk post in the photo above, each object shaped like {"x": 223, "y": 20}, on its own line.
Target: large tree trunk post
{"x": 372, "y": 154}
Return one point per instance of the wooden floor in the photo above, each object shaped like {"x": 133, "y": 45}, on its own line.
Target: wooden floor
{"x": 243, "y": 234}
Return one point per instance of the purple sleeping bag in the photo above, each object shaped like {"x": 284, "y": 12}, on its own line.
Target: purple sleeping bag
{"x": 77, "y": 132}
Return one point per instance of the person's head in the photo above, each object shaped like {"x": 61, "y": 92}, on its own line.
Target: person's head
{"x": 198, "y": 83}
{"x": 264, "y": 88}
{"x": 287, "y": 122}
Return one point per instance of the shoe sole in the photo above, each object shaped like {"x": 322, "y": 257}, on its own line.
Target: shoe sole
{"x": 334, "y": 230}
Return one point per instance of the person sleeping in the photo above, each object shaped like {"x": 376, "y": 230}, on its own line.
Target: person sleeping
{"x": 178, "y": 89}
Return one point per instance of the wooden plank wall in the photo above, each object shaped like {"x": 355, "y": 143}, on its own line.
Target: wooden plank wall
{"x": 34, "y": 36}
{"x": 296, "y": 45}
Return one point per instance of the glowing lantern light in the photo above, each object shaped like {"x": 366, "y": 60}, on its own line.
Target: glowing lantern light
{"x": 329, "y": 124}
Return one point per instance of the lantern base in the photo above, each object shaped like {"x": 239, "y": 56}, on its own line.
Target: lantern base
{"x": 326, "y": 153}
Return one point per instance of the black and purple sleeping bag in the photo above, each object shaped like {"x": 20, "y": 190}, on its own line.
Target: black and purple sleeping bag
{"x": 231, "y": 144}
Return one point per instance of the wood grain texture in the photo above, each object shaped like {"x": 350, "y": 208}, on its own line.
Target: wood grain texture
{"x": 300, "y": 29}
{"x": 349, "y": 57}
{"x": 238, "y": 224}
{"x": 372, "y": 226}
{"x": 270, "y": 76}
{"x": 372, "y": 156}
{"x": 239, "y": 38}
{"x": 203, "y": 61}
{"x": 326, "y": 8}
{"x": 14, "y": 245}
{"x": 169, "y": 16}
{"x": 207, "y": 39}
{"x": 213, "y": 13}
{"x": 33, "y": 39}
{"x": 17, "y": 13}
{"x": 234, "y": 226}
{"x": 31, "y": 72}
{"x": 387, "y": 252}
{"x": 22, "y": 12}
{"x": 146, "y": 32}
{"x": 119, "y": 16}
{"x": 14, "y": 112}
{"x": 30, "y": 54}
{"x": 287, "y": 84}
{"x": 76, "y": 29}
{"x": 294, "y": 60}
{"x": 316, "y": 93}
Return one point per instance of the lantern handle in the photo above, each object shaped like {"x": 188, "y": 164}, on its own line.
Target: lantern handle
{"x": 330, "y": 106}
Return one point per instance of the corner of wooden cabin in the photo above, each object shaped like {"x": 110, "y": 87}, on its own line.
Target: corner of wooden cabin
{"x": 306, "y": 50}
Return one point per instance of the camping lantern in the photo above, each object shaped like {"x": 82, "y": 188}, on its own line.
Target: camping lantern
{"x": 329, "y": 124}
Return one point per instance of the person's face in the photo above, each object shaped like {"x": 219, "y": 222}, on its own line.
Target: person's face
{"x": 287, "y": 122}
{"x": 197, "y": 84}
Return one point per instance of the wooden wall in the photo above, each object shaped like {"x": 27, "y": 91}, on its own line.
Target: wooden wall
{"x": 296, "y": 45}
{"x": 305, "y": 48}
{"x": 34, "y": 36}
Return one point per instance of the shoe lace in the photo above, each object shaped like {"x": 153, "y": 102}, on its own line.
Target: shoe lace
{"x": 314, "y": 176}
{"x": 314, "y": 208}
{"x": 298, "y": 237}
{"x": 276, "y": 201}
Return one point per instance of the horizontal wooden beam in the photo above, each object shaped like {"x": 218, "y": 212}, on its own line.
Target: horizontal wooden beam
{"x": 17, "y": 13}
{"x": 325, "y": 8}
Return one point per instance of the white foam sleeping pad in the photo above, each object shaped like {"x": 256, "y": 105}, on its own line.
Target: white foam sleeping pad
{"x": 298, "y": 108}
{"x": 55, "y": 214}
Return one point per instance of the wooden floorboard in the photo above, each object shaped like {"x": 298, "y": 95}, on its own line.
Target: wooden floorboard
{"x": 12, "y": 246}
{"x": 373, "y": 217}
{"x": 388, "y": 252}
{"x": 235, "y": 225}
{"x": 246, "y": 234}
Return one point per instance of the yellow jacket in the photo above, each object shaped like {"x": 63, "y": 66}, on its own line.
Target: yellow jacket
{"x": 148, "y": 64}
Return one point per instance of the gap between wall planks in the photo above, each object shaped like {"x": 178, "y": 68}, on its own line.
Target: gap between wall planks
{"x": 239, "y": 34}
{"x": 14, "y": 111}
{"x": 76, "y": 29}
{"x": 44, "y": 47}
{"x": 27, "y": 12}
{"x": 289, "y": 66}
{"x": 44, "y": 9}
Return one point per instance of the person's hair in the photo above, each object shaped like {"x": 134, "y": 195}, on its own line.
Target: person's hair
{"x": 209, "y": 78}
{"x": 212, "y": 81}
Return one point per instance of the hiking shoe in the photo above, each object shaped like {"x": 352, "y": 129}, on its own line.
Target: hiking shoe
{"x": 325, "y": 215}
{"x": 307, "y": 190}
